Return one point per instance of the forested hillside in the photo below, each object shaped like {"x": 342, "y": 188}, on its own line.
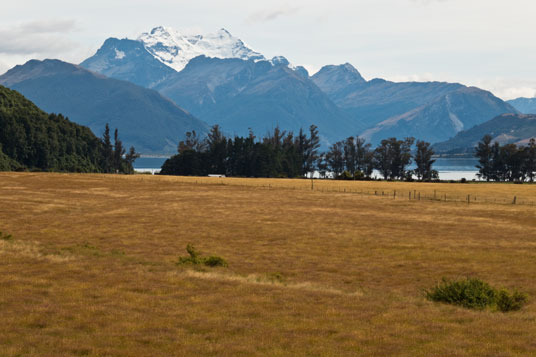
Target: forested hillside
{"x": 32, "y": 139}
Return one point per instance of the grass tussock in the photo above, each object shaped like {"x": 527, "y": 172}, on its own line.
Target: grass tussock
{"x": 473, "y": 293}
{"x": 6, "y": 237}
{"x": 271, "y": 280}
{"x": 194, "y": 257}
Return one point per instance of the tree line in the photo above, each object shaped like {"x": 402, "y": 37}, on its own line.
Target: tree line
{"x": 508, "y": 162}
{"x": 285, "y": 154}
{"x": 278, "y": 154}
{"x": 353, "y": 158}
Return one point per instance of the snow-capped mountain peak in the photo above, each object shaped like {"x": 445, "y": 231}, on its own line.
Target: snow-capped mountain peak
{"x": 176, "y": 50}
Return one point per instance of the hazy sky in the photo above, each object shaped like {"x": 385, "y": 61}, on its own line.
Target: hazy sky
{"x": 487, "y": 43}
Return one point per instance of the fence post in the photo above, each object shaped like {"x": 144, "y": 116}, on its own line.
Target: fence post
{"x": 468, "y": 198}
{"x": 515, "y": 200}
{"x": 394, "y": 195}
{"x": 419, "y": 196}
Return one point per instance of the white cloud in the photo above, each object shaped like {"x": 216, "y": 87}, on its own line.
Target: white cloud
{"x": 3, "y": 68}
{"x": 421, "y": 77}
{"x": 508, "y": 88}
{"x": 47, "y": 26}
{"x": 271, "y": 14}
{"x": 503, "y": 88}
{"x": 37, "y": 37}
{"x": 427, "y": 2}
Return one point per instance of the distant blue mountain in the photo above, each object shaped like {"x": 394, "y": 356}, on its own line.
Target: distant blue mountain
{"x": 442, "y": 118}
{"x": 372, "y": 102}
{"x": 128, "y": 60}
{"x": 145, "y": 119}
{"x": 431, "y": 111}
{"x": 505, "y": 129}
{"x": 237, "y": 93}
{"x": 241, "y": 95}
{"x": 524, "y": 105}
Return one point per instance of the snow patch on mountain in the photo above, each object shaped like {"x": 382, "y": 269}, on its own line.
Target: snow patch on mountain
{"x": 456, "y": 122}
{"x": 176, "y": 50}
{"x": 119, "y": 54}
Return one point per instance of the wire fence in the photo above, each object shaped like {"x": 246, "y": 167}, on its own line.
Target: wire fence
{"x": 328, "y": 186}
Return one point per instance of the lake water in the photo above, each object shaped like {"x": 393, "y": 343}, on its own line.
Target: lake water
{"x": 149, "y": 164}
{"x": 448, "y": 168}
{"x": 456, "y": 168}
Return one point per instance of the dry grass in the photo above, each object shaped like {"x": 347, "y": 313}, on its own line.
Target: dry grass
{"x": 91, "y": 267}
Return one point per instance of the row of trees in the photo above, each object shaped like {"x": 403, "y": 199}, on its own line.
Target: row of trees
{"x": 279, "y": 154}
{"x": 353, "y": 158}
{"x": 508, "y": 162}
{"x": 284, "y": 154}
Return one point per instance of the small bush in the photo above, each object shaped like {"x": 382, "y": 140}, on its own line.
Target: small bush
{"x": 276, "y": 277}
{"x": 510, "y": 302}
{"x": 196, "y": 259}
{"x": 473, "y": 293}
{"x": 5, "y": 236}
{"x": 215, "y": 261}
{"x": 470, "y": 293}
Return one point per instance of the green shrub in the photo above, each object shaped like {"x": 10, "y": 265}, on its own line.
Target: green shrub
{"x": 473, "y": 293}
{"x": 215, "y": 261}
{"x": 5, "y": 236}
{"x": 470, "y": 293}
{"x": 510, "y": 302}
{"x": 276, "y": 277}
{"x": 196, "y": 259}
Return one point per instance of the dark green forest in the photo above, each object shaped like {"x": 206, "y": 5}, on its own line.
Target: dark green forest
{"x": 31, "y": 139}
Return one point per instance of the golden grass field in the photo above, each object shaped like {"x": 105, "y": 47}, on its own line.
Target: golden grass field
{"x": 91, "y": 267}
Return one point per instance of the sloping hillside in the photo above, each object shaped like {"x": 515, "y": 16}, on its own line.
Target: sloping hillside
{"x": 505, "y": 129}
{"x": 524, "y": 105}
{"x": 145, "y": 119}
{"x": 30, "y": 138}
{"x": 442, "y": 118}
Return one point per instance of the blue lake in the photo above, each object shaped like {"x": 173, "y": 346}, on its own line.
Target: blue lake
{"x": 448, "y": 168}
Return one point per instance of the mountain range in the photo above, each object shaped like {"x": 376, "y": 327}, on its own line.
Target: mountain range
{"x": 145, "y": 119}
{"x": 221, "y": 80}
{"x": 504, "y": 129}
{"x": 524, "y": 105}
{"x": 431, "y": 111}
